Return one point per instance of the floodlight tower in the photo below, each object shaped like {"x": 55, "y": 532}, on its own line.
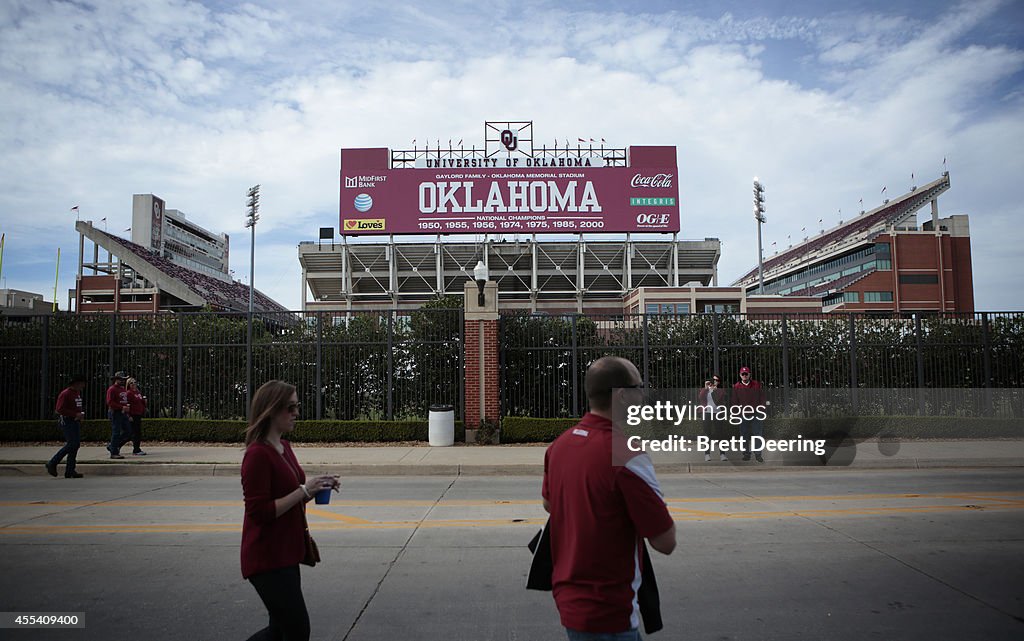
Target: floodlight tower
{"x": 252, "y": 216}
{"x": 761, "y": 219}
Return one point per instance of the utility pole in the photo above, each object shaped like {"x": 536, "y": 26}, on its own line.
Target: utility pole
{"x": 761, "y": 219}
{"x": 252, "y": 216}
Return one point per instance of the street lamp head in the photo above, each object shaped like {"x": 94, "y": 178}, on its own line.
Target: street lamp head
{"x": 480, "y": 272}
{"x": 480, "y": 275}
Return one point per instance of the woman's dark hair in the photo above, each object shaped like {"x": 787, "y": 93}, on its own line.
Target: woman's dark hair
{"x": 271, "y": 398}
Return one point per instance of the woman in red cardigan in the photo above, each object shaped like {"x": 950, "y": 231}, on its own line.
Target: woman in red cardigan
{"x": 273, "y": 530}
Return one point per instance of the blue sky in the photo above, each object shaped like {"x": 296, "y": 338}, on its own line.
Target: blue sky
{"x": 827, "y": 102}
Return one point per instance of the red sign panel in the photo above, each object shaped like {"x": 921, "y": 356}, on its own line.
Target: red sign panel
{"x": 509, "y": 197}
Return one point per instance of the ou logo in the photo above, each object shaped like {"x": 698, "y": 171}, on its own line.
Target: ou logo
{"x": 652, "y": 219}
{"x": 509, "y": 140}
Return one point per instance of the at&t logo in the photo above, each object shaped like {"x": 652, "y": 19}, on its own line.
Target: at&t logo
{"x": 363, "y": 202}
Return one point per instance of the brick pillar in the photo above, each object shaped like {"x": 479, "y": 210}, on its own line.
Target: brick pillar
{"x": 480, "y": 353}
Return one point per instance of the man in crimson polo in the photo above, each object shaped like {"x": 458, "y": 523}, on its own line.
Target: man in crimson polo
{"x": 749, "y": 393}
{"x": 601, "y": 513}
{"x": 69, "y": 409}
{"x": 117, "y": 407}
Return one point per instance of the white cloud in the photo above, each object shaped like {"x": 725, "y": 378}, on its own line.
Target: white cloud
{"x": 197, "y": 103}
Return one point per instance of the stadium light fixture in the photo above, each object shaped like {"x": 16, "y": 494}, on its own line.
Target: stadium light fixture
{"x": 761, "y": 219}
{"x": 480, "y": 275}
{"x": 251, "y": 218}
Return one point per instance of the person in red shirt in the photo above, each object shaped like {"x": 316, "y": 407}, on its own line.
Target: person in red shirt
{"x": 601, "y": 513}
{"x": 117, "y": 409}
{"x": 136, "y": 409}
{"x": 70, "y": 412}
{"x": 274, "y": 526}
{"x": 748, "y": 392}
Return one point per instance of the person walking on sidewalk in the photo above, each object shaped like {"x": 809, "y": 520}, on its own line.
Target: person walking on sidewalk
{"x": 274, "y": 526}
{"x": 136, "y": 409}
{"x": 601, "y": 513}
{"x": 117, "y": 409}
{"x": 69, "y": 409}
{"x": 748, "y": 393}
{"x": 711, "y": 397}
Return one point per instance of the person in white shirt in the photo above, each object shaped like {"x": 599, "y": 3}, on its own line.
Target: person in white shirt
{"x": 711, "y": 396}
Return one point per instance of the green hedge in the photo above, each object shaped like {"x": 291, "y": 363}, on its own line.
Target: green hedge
{"x": 519, "y": 429}
{"x": 516, "y": 429}
{"x": 208, "y": 431}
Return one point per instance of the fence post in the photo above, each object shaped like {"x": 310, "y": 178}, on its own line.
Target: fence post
{"x": 179, "y": 376}
{"x": 714, "y": 343}
{"x": 248, "y": 368}
{"x": 854, "y": 400}
{"x": 391, "y": 343}
{"x": 785, "y": 364}
{"x": 986, "y": 359}
{"x": 920, "y": 363}
{"x": 319, "y": 360}
{"x": 461, "y": 411}
{"x": 501, "y": 368}
{"x": 647, "y": 351}
{"x": 113, "y": 341}
{"x": 44, "y": 367}
{"x": 575, "y": 370}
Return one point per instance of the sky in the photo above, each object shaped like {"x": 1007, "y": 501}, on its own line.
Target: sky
{"x": 826, "y": 102}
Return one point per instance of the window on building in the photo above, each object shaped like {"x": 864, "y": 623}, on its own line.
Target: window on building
{"x": 919, "y": 279}
{"x": 722, "y": 308}
{"x": 883, "y": 264}
{"x": 877, "y": 297}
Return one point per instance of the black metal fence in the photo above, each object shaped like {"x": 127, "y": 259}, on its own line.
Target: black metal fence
{"x": 358, "y": 365}
{"x": 544, "y": 358}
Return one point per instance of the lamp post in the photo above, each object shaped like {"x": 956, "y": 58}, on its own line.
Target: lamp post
{"x": 761, "y": 219}
{"x": 480, "y": 275}
{"x": 252, "y": 216}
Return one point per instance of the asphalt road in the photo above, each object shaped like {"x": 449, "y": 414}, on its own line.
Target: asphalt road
{"x": 845, "y": 555}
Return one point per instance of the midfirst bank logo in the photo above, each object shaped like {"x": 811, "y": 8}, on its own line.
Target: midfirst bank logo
{"x": 364, "y": 224}
{"x": 357, "y": 182}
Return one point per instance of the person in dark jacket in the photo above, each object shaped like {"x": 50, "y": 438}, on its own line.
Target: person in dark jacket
{"x": 749, "y": 393}
{"x": 274, "y": 526}
{"x": 711, "y": 397}
{"x": 70, "y": 412}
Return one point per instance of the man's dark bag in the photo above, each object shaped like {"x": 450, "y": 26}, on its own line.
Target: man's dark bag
{"x": 647, "y": 596}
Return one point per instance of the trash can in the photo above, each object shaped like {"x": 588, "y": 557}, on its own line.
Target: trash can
{"x": 441, "y": 430}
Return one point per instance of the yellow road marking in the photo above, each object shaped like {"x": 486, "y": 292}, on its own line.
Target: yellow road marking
{"x": 327, "y": 519}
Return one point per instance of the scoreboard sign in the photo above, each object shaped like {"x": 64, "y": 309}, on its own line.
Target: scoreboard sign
{"x": 508, "y": 194}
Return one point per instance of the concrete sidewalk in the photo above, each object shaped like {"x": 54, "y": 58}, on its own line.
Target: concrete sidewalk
{"x": 225, "y": 460}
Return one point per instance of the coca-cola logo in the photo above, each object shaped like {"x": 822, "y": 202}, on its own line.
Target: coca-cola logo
{"x": 657, "y": 180}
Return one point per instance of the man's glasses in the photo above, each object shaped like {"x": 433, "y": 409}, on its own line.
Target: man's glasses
{"x": 745, "y": 374}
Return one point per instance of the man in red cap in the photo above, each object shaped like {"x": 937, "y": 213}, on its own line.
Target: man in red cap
{"x": 749, "y": 393}
{"x": 117, "y": 409}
